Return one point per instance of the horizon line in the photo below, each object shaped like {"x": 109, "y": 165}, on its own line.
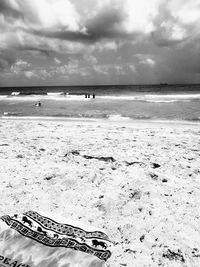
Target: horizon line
{"x": 99, "y": 85}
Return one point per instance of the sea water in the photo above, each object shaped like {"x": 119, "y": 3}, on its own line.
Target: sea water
{"x": 117, "y": 103}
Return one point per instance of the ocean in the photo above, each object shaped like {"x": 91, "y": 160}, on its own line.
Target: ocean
{"x": 114, "y": 103}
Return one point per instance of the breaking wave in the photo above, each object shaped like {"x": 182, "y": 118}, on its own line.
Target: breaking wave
{"x": 56, "y": 97}
{"x": 60, "y": 96}
{"x": 155, "y": 98}
{"x": 119, "y": 117}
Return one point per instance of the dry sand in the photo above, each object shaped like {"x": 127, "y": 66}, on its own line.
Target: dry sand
{"x": 139, "y": 181}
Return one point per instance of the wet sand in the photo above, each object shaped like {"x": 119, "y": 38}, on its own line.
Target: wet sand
{"x": 138, "y": 181}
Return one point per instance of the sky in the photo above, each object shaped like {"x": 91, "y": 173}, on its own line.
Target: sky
{"x": 90, "y": 42}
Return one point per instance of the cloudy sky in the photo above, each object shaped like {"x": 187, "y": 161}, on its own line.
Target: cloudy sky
{"x": 68, "y": 42}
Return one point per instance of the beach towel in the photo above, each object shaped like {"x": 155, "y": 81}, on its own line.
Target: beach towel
{"x": 46, "y": 240}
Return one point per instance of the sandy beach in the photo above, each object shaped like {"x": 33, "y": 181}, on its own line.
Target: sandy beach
{"x": 140, "y": 182}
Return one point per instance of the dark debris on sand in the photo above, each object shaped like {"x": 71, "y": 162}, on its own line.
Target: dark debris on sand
{"x": 107, "y": 159}
{"x": 73, "y": 152}
{"x": 171, "y": 255}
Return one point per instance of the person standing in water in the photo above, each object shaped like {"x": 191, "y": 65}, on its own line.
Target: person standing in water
{"x": 38, "y": 104}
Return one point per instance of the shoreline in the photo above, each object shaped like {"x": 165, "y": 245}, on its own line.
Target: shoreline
{"x": 104, "y": 121}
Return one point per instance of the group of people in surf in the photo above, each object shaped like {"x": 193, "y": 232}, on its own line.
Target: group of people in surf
{"x": 88, "y": 95}
{"x": 39, "y": 104}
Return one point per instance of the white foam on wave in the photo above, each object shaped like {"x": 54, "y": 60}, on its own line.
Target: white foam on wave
{"x": 166, "y": 101}
{"x": 157, "y": 98}
{"x": 3, "y": 96}
{"x": 154, "y": 98}
{"x": 118, "y": 117}
{"x": 15, "y": 93}
{"x": 73, "y": 97}
{"x": 112, "y": 97}
{"x": 55, "y": 94}
{"x": 24, "y": 98}
{"x": 44, "y": 97}
{"x": 173, "y": 96}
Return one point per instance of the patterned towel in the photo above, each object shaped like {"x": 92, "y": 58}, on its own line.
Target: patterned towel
{"x": 31, "y": 239}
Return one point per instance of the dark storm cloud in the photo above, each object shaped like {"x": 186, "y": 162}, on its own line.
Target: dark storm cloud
{"x": 4, "y": 64}
{"x": 166, "y": 28}
{"x": 92, "y": 35}
{"x": 45, "y": 51}
{"x": 186, "y": 58}
{"x": 9, "y": 11}
{"x": 105, "y": 25}
{"x": 61, "y": 34}
{"x": 149, "y": 40}
{"x": 7, "y": 59}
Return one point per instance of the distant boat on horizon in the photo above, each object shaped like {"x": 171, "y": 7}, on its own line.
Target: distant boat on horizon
{"x": 164, "y": 84}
